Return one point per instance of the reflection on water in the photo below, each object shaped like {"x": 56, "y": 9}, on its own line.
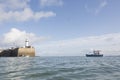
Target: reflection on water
{"x": 60, "y": 68}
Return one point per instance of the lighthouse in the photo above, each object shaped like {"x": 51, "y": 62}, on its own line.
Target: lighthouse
{"x": 26, "y": 43}
{"x": 27, "y": 51}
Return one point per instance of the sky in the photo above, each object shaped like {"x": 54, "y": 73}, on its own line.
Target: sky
{"x": 61, "y": 27}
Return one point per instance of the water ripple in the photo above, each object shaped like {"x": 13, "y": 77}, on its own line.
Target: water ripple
{"x": 60, "y": 68}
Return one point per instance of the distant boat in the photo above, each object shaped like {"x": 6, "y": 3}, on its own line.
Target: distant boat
{"x": 96, "y": 53}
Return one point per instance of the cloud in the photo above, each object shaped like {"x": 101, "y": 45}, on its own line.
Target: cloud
{"x": 25, "y": 15}
{"x": 51, "y": 3}
{"x": 13, "y": 4}
{"x": 108, "y": 44}
{"x": 19, "y": 10}
{"x": 100, "y": 7}
{"x": 97, "y": 9}
{"x": 16, "y": 37}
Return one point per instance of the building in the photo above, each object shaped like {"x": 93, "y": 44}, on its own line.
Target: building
{"x": 26, "y": 51}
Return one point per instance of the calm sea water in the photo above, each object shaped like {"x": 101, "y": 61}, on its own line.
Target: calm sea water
{"x": 60, "y": 68}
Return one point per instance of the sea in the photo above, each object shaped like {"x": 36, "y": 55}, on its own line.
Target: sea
{"x": 60, "y": 68}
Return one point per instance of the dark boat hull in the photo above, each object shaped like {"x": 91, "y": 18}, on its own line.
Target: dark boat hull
{"x": 92, "y": 55}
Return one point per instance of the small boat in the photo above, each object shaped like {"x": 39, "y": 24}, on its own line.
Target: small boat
{"x": 96, "y": 53}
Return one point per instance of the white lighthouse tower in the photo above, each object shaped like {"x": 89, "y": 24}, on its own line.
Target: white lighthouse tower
{"x": 26, "y": 43}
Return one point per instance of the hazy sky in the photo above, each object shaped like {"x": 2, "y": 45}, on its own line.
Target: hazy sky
{"x": 61, "y": 27}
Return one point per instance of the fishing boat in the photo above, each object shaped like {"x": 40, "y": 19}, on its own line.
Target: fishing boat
{"x": 96, "y": 53}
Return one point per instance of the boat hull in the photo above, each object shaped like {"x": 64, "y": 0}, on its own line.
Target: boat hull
{"x": 92, "y": 55}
